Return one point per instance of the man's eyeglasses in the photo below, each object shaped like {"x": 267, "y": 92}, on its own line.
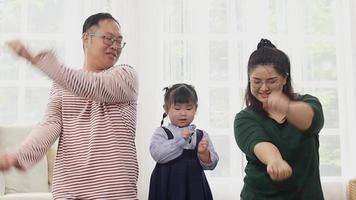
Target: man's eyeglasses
{"x": 109, "y": 40}
{"x": 269, "y": 83}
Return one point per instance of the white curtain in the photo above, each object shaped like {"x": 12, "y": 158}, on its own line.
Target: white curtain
{"x": 207, "y": 44}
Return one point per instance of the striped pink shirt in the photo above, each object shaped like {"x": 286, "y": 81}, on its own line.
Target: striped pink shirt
{"x": 94, "y": 117}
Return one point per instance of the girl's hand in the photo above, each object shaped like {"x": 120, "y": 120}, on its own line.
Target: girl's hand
{"x": 185, "y": 133}
{"x": 279, "y": 170}
{"x": 203, "y": 151}
{"x": 203, "y": 145}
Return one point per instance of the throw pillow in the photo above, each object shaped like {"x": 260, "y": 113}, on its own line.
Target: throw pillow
{"x": 33, "y": 180}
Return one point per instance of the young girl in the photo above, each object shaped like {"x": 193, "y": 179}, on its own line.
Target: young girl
{"x": 181, "y": 150}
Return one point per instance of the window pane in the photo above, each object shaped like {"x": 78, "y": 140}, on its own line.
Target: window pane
{"x": 218, "y": 16}
{"x": 329, "y": 100}
{"x": 320, "y": 17}
{"x": 182, "y": 16}
{"x": 173, "y": 16}
{"x": 239, "y": 16}
{"x": 278, "y": 16}
{"x": 239, "y": 60}
{"x": 321, "y": 61}
{"x": 221, "y": 144}
{"x": 10, "y": 22}
{"x": 36, "y": 100}
{"x": 241, "y": 98}
{"x": 177, "y": 61}
{"x": 219, "y": 65}
{"x": 330, "y": 164}
{"x": 219, "y": 107}
{"x": 8, "y": 105}
{"x": 9, "y": 66}
{"x": 45, "y": 16}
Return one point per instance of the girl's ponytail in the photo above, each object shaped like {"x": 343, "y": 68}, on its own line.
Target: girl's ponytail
{"x": 164, "y": 116}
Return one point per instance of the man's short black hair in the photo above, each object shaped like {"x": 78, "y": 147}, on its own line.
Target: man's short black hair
{"x": 93, "y": 20}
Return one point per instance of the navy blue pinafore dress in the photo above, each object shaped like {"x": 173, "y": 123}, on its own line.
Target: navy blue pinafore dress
{"x": 182, "y": 178}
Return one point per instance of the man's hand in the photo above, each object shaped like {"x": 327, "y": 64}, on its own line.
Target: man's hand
{"x": 7, "y": 161}
{"x": 20, "y": 49}
{"x": 279, "y": 170}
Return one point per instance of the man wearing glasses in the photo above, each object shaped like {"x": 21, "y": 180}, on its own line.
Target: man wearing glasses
{"x": 93, "y": 114}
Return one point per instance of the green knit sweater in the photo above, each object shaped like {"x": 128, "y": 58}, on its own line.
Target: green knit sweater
{"x": 298, "y": 148}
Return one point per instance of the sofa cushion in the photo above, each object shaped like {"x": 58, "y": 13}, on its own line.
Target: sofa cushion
{"x": 2, "y": 184}
{"x": 28, "y": 196}
{"x": 51, "y": 157}
{"x": 33, "y": 180}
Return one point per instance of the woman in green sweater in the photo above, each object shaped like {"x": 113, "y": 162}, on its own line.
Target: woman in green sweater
{"x": 278, "y": 131}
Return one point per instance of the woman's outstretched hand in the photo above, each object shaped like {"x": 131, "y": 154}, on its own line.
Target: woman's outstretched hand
{"x": 279, "y": 170}
{"x": 277, "y": 103}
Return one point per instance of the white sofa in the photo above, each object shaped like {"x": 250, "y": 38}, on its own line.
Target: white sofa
{"x": 33, "y": 184}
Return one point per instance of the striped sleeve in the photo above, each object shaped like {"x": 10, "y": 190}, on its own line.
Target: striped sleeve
{"x": 115, "y": 85}
{"x": 44, "y": 135}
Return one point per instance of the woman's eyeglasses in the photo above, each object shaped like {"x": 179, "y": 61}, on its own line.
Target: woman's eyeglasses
{"x": 269, "y": 83}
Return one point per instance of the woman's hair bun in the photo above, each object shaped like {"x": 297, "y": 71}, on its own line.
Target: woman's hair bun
{"x": 265, "y": 43}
